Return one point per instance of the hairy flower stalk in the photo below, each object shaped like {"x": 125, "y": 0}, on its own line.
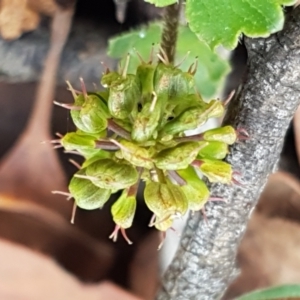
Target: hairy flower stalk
{"x": 204, "y": 264}
{"x": 170, "y": 30}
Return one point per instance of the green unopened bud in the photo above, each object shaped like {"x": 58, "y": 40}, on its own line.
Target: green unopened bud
{"x": 75, "y": 113}
{"x": 77, "y": 141}
{"x": 86, "y": 194}
{"x": 189, "y": 119}
{"x": 123, "y": 97}
{"x": 147, "y": 120}
{"x": 165, "y": 199}
{"x": 178, "y": 157}
{"x": 181, "y": 84}
{"x": 162, "y": 79}
{"x": 226, "y": 134}
{"x": 195, "y": 189}
{"x": 94, "y": 114}
{"x": 136, "y": 155}
{"x": 123, "y": 211}
{"x": 216, "y": 171}
{"x": 213, "y": 150}
{"x": 108, "y": 174}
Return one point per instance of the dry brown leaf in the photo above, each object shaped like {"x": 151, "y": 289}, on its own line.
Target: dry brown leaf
{"x": 268, "y": 255}
{"x": 26, "y": 275}
{"x": 281, "y": 197}
{"x": 46, "y": 231}
{"x": 144, "y": 269}
{"x": 19, "y": 16}
{"x": 296, "y": 123}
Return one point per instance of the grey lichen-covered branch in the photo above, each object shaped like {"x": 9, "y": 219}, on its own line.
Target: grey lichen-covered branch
{"x": 204, "y": 264}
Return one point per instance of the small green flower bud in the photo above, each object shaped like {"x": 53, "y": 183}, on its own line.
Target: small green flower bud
{"x": 123, "y": 97}
{"x": 165, "y": 199}
{"x": 189, "y": 119}
{"x": 195, "y": 189}
{"x": 216, "y": 171}
{"x": 134, "y": 154}
{"x": 77, "y": 141}
{"x": 182, "y": 83}
{"x": 86, "y": 194}
{"x": 162, "y": 79}
{"x": 123, "y": 210}
{"x": 178, "y": 157}
{"x": 226, "y": 134}
{"x": 94, "y": 114}
{"x": 146, "y": 121}
{"x": 213, "y": 150}
{"x": 75, "y": 113}
{"x": 108, "y": 174}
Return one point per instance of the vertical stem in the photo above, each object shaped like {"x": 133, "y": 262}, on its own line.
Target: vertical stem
{"x": 39, "y": 121}
{"x": 170, "y": 30}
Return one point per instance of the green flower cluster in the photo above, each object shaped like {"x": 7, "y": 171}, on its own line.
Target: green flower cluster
{"x": 135, "y": 130}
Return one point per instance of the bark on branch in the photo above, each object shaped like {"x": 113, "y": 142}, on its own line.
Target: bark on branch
{"x": 204, "y": 264}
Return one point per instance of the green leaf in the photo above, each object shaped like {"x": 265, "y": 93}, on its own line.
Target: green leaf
{"x": 161, "y": 3}
{"x": 222, "y": 21}
{"x": 211, "y": 70}
{"x": 278, "y": 292}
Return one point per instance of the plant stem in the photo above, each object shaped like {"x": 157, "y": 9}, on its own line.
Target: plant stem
{"x": 170, "y": 30}
{"x": 204, "y": 264}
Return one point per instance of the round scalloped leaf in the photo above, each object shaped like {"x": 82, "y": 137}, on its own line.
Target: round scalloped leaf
{"x": 289, "y": 291}
{"x": 223, "y": 21}
{"x": 162, "y": 3}
{"x": 211, "y": 70}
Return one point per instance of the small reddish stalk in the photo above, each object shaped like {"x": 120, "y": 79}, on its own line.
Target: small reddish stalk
{"x": 114, "y": 127}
